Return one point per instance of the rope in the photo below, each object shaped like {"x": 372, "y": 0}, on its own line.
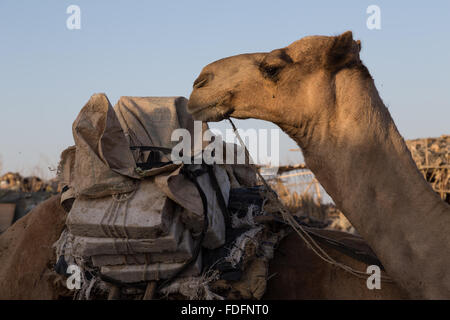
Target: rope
{"x": 109, "y": 218}
{"x": 287, "y": 216}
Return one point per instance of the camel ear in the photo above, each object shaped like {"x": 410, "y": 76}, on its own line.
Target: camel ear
{"x": 358, "y": 42}
{"x": 340, "y": 52}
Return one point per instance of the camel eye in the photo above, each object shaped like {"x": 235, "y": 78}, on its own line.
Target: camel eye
{"x": 271, "y": 71}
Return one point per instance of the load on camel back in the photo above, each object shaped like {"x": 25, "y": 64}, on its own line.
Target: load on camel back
{"x": 130, "y": 223}
{"x": 135, "y": 219}
{"x": 138, "y": 220}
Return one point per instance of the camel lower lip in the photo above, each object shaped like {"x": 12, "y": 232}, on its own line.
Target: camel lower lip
{"x": 217, "y": 103}
{"x": 212, "y": 105}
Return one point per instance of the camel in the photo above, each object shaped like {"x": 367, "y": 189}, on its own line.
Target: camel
{"x": 27, "y": 259}
{"x": 296, "y": 273}
{"x": 27, "y": 256}
{"x": 320, "y": 93}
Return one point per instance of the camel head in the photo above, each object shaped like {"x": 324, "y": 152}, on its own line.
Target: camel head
{"x": 269, "y": 85}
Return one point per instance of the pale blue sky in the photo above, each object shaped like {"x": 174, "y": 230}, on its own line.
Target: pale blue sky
{"x": 156, "y": 48}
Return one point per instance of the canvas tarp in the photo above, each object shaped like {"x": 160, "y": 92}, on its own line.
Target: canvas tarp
{"x": 145, "y": 213}
{"x": 104, "y": 164}
{"x": 150, "y": 121}
{"x": 66, "y": 166}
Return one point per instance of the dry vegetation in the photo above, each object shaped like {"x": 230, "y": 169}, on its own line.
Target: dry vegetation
{"x": 312, "y": 211}
{"x": 432, "y": 156}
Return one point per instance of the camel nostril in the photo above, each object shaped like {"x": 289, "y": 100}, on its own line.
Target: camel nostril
{"x": 202, "y": 80}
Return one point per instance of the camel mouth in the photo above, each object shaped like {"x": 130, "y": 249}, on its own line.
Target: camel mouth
{"x": 215, "y": 111}
{"x": 198, "y": 110}
{"x": 212, "y": 113}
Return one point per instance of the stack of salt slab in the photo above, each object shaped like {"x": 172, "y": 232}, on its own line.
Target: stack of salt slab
{"x": 142, "y": 236}
{"x": 133, "y": 227}
{"x": 136, "y": 239}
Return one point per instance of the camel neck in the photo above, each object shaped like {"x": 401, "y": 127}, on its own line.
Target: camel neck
{"x": 362, "y": 161}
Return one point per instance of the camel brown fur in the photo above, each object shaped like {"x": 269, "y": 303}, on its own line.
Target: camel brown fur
{"x": 319, "y": 92}
{"x": 297, "y": 273}
{"x": 27, "y": 256}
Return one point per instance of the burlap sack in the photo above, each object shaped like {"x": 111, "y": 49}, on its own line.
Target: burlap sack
{"x": 150, "y": 121}
{"x": 104, "y": 164}
{"x": 66, "y": 166}
{"x": 146, "y": 213}
{"x": 150, "y": 272}
{"x": 184, "y": 192}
